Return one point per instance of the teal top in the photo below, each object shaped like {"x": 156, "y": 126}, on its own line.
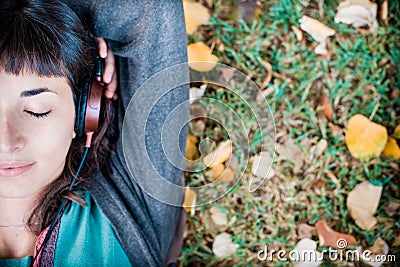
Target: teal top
{"x": 85, "y": 238}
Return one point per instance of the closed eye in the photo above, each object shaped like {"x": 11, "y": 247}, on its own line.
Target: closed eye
{"x": 38, "y": 115}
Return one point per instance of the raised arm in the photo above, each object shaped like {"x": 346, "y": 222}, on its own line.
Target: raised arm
{"x": 147, "y": 37}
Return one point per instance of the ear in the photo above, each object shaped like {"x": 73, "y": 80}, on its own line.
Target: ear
{"x": 73, "y": 134}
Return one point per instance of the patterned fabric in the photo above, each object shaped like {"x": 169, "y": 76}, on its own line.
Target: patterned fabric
{"x": 46, "y": 256}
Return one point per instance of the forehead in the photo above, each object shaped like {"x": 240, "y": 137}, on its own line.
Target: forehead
{"x": 11, "y": 84}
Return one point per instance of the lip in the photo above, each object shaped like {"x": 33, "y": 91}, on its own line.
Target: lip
{"x": 16, "y": 168}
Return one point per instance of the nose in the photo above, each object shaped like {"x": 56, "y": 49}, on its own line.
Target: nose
{"x": 11, "y": 139}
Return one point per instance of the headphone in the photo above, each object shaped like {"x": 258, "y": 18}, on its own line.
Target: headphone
{"x": 89, "y": 103}
{"x": 86, "y": 123}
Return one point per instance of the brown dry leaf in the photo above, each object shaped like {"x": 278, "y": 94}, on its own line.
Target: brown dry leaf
{"x": 223, "y": 245}
{"x": 195, "y": 15}
{"x": 330, "y": 238}
{"x": 358, "y": 13}
{"x": 261, "y": 95}
{"x": 396, "y": 133}
{"x": 192, "y": 153}
{"x": 365, "y": 138}
{"x": 304, "y": 230}
{"x": 268, "y": 67}
{"x": 362, "y": 203}
{"x": 249, "y": 11}
{"x": 384, "y": 11}
{"x": 318, "y": 31}
{"x": 318, "y": 149}
{"x": 396, "y": 241}
{"x": 189, "y": 203}
{"x": 201, "y": 52}
{"x": 220, "y": 155}
{"x": 261, "y": 165}
{"x": 309, "y": 246}
{"x": 290, "y": 151}
{"x": 392, "y": 208}
{"x": 324, "y": 107}
{"x": 379, "y": 248}
{"x": 298, "y": 32}
{"x": 392, "y": 149}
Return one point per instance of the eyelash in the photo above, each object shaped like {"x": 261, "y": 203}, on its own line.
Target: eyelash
{"x": 38, "y": 115}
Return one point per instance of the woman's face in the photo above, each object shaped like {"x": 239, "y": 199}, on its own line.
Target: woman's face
{"x": 37, "y": 117}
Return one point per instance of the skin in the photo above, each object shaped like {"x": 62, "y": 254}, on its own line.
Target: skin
{"x": 42, "y": 142}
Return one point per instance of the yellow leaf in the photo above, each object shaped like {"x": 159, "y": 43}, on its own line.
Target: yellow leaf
{"x": 365, "y": 138}
{"x": 218, "y": 156}
{"x": 392, "y": 149}
{"x": 221, "y": 174}
{"x": 195, "y": 15}
{"x": 192, "y": 152}
{"x": 396, "y": 133}
{"x": 201, "y": 52}
{"x": 190, "y": 200}
{"x": 363, "y": 202}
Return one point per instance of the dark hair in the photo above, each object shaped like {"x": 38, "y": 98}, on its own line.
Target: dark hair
{"x": 47, "y": 38}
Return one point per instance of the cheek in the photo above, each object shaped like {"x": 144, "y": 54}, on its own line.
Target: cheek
{"x": 53, "y": 135}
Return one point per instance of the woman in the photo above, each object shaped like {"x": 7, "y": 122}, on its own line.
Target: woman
{"x": 44, "y": 57}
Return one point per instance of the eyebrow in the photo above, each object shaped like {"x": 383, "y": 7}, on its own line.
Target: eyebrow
{"x": 36, "y": 91}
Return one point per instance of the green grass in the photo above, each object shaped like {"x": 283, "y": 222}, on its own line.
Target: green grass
{"x": 361, "y": 72}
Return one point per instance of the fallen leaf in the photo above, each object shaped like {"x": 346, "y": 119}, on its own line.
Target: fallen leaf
{"x": 290, "y": 151}
{"x": 192, "y": 153}
{"x": 330, "y": 238}
{"x": 396, "y": 241}
{"x": 306, "y": 246}
{"x": 336, "y": 130}
{"x": 304, "y": 230}
{"x": 195, "y": 15}
{"x": 318, "y": 149}
{"x": 396, "y": 133}
{"x": 365, "y": 138}
{"x": 261, "y": 165}
{"x": 392, "y": 149}
{"x": 220, "y": 155}
{"x": 220, "y": 173}
{"x": 392, "y": 208}
{"x": 196, "y": 93}
{"x": 357, "y": 13}
{"x": 379, "y": 248}
{"x": 189, "y": 203}
{"x": 249, "y": 11}
{"x": 318, "y": 31}
{"x": 298, "y": 33}
{"x": 384, "y": 11}
{"x": 268, "y": 68}
{"x": 223, "y": 245}
{"x": 261, "y": 95}
{"x": 362, "y": 203}
{"x": 324, "y": 108}
{"x": 219, "y": 218}
{"x": 201, "y": 52}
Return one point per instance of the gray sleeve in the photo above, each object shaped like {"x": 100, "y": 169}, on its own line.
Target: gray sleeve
{"x": 147, "y": 37}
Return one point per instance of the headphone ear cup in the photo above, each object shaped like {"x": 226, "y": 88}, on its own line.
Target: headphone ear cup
{"x": 81, "y": 107}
